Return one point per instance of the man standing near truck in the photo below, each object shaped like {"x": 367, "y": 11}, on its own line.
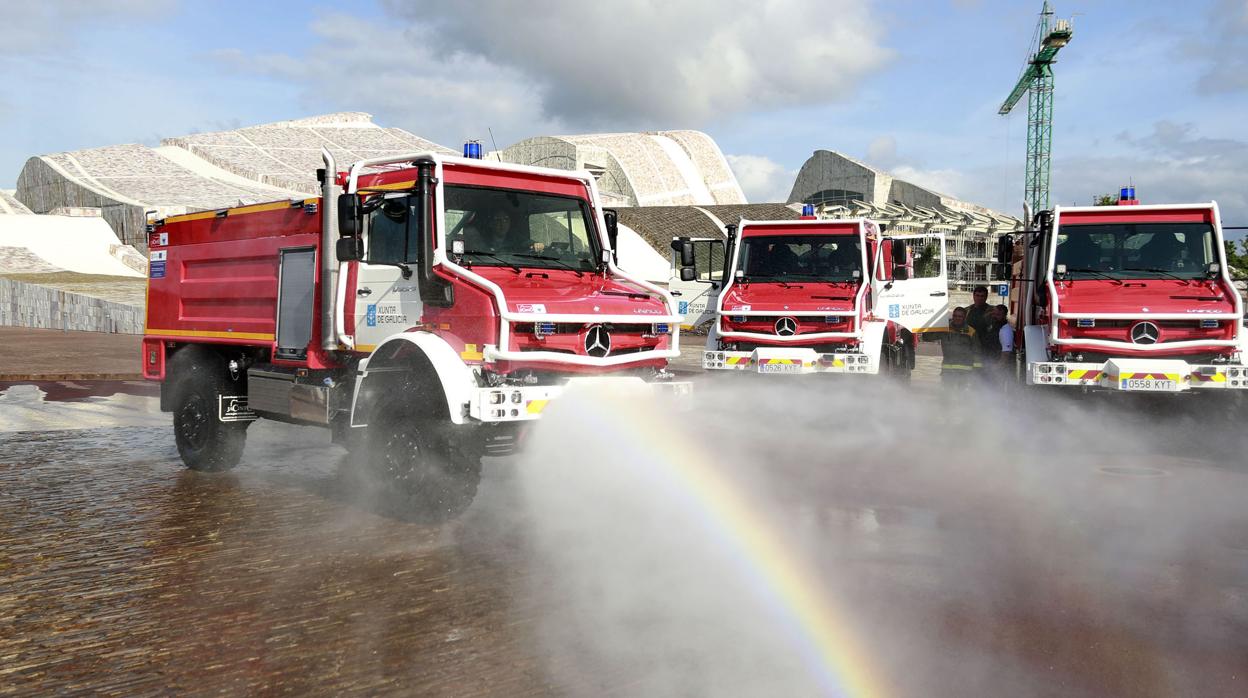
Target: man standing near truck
{"x": 979, "y": 314}
{"x": 959, "y": 348}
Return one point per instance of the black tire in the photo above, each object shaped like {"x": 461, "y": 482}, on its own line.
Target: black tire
{"x": 896, "y": 360}
{"x": 204, "y": 441}
{"x": 423, "y": 472}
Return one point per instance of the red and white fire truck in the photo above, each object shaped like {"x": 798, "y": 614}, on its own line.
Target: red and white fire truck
{"x": 423, "y": 307}
{"x": 1127, "y": 298}
{"x": 814, "y": 296}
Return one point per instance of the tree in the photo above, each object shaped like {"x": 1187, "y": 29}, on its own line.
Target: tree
{"x": 1237, "y": 261}
{"x": 1105, "y": 200}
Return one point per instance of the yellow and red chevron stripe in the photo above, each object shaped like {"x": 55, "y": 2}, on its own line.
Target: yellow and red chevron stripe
{"x": 1085, "y": 374}
{"x": 1156, "y": 376}
{"x": 738, "y": 361}
{"x": 1202, "y": 378}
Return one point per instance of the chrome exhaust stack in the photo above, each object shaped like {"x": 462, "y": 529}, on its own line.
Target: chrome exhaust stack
{"x": 329, "y": 238}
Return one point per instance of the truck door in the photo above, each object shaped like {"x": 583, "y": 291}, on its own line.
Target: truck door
{"x": 695, "y": 300}
{"x": 917, "y": 294}
{"x": 386, "y": 303}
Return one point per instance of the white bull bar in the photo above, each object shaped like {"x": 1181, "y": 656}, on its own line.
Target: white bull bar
{"x": 791, "y": 360}
{"x": 1131, "y": 375}
{"x": 525, "y": 403}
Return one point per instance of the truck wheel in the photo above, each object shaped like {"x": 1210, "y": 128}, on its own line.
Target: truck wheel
{"x": 425, "y": 475}
{"x": 897, "y": 360}
{"x": 204, "y": 441}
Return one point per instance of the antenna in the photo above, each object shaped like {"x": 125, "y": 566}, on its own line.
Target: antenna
{"x": 491, "y": 132}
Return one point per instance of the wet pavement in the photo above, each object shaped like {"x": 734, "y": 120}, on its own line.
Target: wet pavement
{"x": 1121, "y": 571}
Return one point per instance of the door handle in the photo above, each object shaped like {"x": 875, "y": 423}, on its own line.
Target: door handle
{"x": 675, "y": 293}
{"x": 364, "y": 292}
{"x": 940, "y": 293}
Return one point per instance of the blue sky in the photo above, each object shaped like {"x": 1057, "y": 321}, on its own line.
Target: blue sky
{"x": 1145, "y": 92}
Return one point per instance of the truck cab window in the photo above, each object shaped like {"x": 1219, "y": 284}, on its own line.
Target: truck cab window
{"x": 393, "y": 232}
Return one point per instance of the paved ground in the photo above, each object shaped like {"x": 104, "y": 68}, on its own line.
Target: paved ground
{"x": 32, "y": 354}
{"x": 1062, "y": 552}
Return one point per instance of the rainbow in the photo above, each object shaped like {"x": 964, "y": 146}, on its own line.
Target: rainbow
{"x": 781, "y": 580}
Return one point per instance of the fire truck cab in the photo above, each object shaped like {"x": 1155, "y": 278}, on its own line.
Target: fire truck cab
{"x": 813, "y": 296}
{"x": 1127, "y": 298}
{"x": 423, "y": 308}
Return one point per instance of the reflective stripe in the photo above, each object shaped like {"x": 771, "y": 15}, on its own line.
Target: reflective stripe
{"x": 1157, "y": 376}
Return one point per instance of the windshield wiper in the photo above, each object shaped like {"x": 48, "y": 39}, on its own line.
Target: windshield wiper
{"x": 546, "y": 258}
{"x": 496, "y": 258}
{"x": 1098, "y": 272}
{"x": 1155, "y": 270}
{"x": 627, "y": 294}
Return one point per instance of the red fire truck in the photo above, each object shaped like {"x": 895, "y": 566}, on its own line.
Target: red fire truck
{"x": 814, "y": 296}
{"x": 1127, "y": 298}
{"x": 423, "y": 307}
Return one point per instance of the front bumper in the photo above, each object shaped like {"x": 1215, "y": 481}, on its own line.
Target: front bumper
{"x": 527, "y": 403}
{"x": 1142, "y": 375}
{"x": 781, "y": 360}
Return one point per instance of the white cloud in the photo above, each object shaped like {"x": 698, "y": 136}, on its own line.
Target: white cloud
{"x": 646, "y": 64}
{"x": 47, "y": 26}
{"x": 1222, "y": 48}
{"x": 1171, "y": 163}
{"x": 882, "y": 152}
{"x": 397, "y": 74}
{"x": 762, "y": 179}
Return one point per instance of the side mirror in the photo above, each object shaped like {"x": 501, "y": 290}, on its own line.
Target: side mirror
{"x": 1005, "y": 249}
{"x": 612, "y": 217}
{"x": 350, "y": 249}
{"x": 349, "y": 215}
{"x": 688, "y": 274}
{"x": 685, "y": 248}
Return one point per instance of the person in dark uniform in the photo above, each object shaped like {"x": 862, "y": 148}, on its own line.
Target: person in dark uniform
{"x": 979, "y": 314}
{"x": 961, "y": 353}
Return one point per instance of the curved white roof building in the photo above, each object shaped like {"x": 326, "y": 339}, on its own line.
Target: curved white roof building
{"x": 204, "y": 171}
{"x": 658, "y": 168}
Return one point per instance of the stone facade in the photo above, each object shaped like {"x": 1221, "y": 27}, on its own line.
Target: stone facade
{"x": 9, "y": 205}
{"x": 204, "y": 171}
{"x": 661, "y": 168}
{"x": 658, "y": 225}
{"x": 287, "y": 154}
{"x": 30, "y": 305}
{"x": 842, "y": 187}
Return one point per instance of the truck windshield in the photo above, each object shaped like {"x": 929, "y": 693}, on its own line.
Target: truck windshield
{"x": 503, "y": 227}
{"x": 1136, "y": 250}
{"x": 801, "y": 258}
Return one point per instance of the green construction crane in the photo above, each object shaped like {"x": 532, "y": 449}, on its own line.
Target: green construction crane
{"x": 1051, "y": 35}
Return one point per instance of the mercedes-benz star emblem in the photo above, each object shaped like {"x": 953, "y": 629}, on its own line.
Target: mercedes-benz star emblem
{"x": 1145, "y": 333}
{"x": 598, "y": 341}
{"x": 786, "y": 327}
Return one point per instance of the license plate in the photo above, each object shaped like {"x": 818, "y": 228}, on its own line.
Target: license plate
{"x": 779, "y": 368}
{"x": 1154, "y": 384}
